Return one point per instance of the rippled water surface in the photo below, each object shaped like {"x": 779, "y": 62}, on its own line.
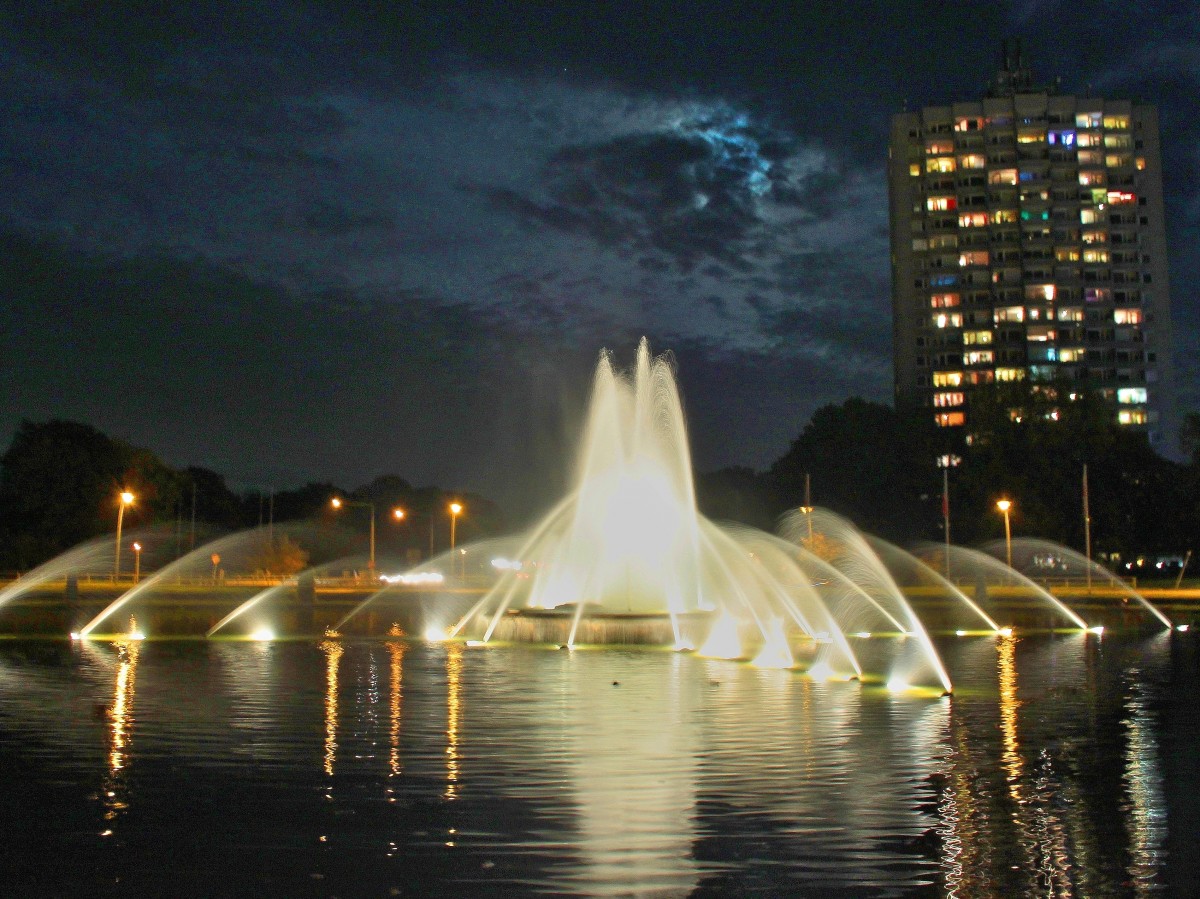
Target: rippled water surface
{"x": 1062, "y": 766}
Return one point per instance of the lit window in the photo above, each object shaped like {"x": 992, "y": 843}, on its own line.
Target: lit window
{"x": 947, "y": 320}
{"x": 1096, "y": 295}
{"x": 1089, "y": 216}
{"x": 974, "y": 257}
{"x": 1065, "y": 254}
{"x": 1140, "y": 163}
{"x": 1089, "y": 140}
{"x": 1117, "y": 160}
{"x": 1088, "y": 120}
{"x": 943, "y": 280}
{"x": 1004, "y": 216}
{"x": 1116, "y": 121}
{"x": 1095, "y": 237}
{"x": 1070, "y": 314}
{"x": 1030, "y": 135}
{"x": 1039, "y": 292}
{"x": 1090, "y": 157}
{"x": 978, "y": 357}
{"x": 1131, "y": 417}
{"x": 943, "y": 242}
{"x": 1010, "y": 374}
{"x": 941, "y": 204}
{"x": 973, "y": 220}
{"x": 939, "y": 148}
{"x": 947, "y": 399}
{"x": 1071, "y": 355}
{"x": 1099, "y": 196}
{"x": 1039, "y": 333}
{"x": 944, "y": 300}
{"x": 968, "y": 123}
{"x": 915, "y": 170}
{"x": 1127, "y": 316}
{"x": 939, "y": 164}
{"x": 1118, "y": 141}
{"x": 1091, "y": 178}
{"x": 1118, "y": 198}
{"x": 979, "y": 377}
{"x": 947, "y": 379}
{"x": 1002, "y": 176}
{"x": 1061, "y": 138}
{"x": 1130, "y": 396}
{"x": 977, "y": 337}
{"x": 972, "y": 161}
{"x": 1010, "y": 314}
{"x": 1095, "y": 255}
{"x": 949, "y": 419}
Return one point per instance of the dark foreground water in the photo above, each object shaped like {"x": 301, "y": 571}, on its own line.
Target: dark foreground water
{"x": 1063, "y": 766}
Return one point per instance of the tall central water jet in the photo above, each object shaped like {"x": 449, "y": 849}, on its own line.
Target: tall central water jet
{"x": 629, "y": 550}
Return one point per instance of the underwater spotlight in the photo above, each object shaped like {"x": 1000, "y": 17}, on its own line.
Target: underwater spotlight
{"x": 75, "y": 635}
{"x": 897, "y": 685}
{"x": 477, "y": 643}
{"x": 1097, "y": 630}
{"x": 1182, "y": 628}
{"x": 137, "y": 635}
{"x": 263, "y": 633}
{"x": 863, "y": 635}
{"x": 434, "y": 634}
{"x": 960, "y": 633}
{"x": 1005, "y": 632}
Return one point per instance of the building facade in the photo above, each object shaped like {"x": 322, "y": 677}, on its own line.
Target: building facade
{"x": 1028, "y": 243}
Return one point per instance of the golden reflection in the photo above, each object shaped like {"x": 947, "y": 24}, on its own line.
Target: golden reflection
{"x": 333, "y": 654}
{"x": 396, "y": 651}
{"x": 454, "y": 661}
{"x": 122, "y": 707}
{"x": 1011, "y": 757}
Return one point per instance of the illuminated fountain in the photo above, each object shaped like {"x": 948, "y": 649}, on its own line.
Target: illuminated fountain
{"x": 626, "y": 557}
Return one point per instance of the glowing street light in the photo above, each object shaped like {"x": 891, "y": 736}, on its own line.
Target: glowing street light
{"x": 455, "y": 511}
{"x": 399, "y": 514}
{"x": 126, "y": 500}
{"x": 137, "y": 562}
{"x": 337, "y": 503}
{"x": 1004, "y": 505}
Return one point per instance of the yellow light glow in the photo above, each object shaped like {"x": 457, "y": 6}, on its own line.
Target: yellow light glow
{"x": 474, "y": 643}
{"x": 1005, "y": 632}
{"x": 434, "y": 634}
{"x": 263, "y": 633}
{"x": 336, "y": 503}
{"x": 960, "y": 633}
{"x": 1098, "y": 629}
{"x": 398, "y": 514}
{"x": 1004, "y": 505}
{"x": 897, "y": 685}
{"x": 455, "y": 508}
{"x": 683, "y": 644}
{"x": 126, "y": 498}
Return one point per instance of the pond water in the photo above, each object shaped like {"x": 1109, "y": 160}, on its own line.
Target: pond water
{"x": 1063, "y": 765}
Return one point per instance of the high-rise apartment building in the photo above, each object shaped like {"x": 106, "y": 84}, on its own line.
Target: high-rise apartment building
{"x": 1028, "y": 242}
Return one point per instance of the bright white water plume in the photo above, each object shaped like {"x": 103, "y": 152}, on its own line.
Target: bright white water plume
{"x": 629, "y": 544}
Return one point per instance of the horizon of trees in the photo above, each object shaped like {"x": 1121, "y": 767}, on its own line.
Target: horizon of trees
{"x": 871, "y": 463}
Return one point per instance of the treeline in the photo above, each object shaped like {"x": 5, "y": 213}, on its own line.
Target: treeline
{"x": 880, "y": 468}
{"x": 60, "y": 483}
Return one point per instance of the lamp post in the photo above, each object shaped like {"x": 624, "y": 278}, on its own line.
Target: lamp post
{"x": 337, "y": 503}
{"x": 455, "y": 511}
{"x": 1004, "y": 505}
{"x": 945, "y": 463}
{"x": 126, "y": 500}
{"x": 137, "y": 562}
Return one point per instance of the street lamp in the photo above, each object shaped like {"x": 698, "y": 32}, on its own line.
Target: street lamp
{"x": 126, "y": 500}
{"x": 455, "y": 511}
{"x": 1004, "y": 505}
{"x": 337, "y": 503}
{"x": 137, "y": 562}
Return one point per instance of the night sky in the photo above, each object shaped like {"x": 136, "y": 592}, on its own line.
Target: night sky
{"x": 293, "y": 241}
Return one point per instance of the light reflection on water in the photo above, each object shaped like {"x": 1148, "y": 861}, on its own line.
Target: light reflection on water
{"x": 363, "y": 767}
